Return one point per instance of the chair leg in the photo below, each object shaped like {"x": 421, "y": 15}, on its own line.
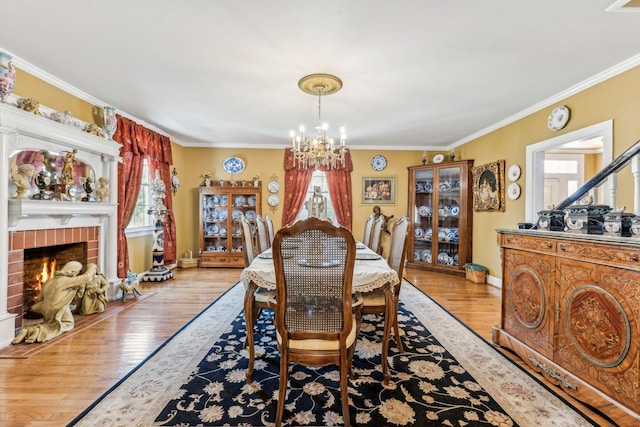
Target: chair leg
{"x": 396, "y": 329}
{"x": 282, "y": 391}
{"x": 249, "y": 321}
{"x": 352, "y": 349}
{"x": 344, "y": 388}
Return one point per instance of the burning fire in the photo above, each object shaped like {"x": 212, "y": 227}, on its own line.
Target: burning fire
{"x": 35, "y": 285}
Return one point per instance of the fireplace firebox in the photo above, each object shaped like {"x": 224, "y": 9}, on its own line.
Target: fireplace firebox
{"x": 40, "y": 264}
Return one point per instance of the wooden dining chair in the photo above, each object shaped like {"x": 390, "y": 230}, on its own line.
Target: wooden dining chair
{"x": 374, "y": 301}
{"x": 261, "y": 296}
{"x": 376, "y": 235}
{"x": 262, "y": 234}
{"x": 317, "y": 322}
{"x": 248, "y": 249}
{"x": 270, "y": 229}
{"x": 368, "y": 225}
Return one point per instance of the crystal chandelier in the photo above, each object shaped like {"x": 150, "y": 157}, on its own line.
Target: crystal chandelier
{"x": 318, "y": 150}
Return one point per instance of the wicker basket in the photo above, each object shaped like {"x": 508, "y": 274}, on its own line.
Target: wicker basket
{"x": 188, "y": 262}
{"x": 476, "y": 276}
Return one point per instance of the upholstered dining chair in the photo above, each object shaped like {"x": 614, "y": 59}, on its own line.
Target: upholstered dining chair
{"x": 374, "y": 301}
{"x": 261, "y": 296}
{"x": 376, "y": 235}
{"x": 368, "y": 225}
{"x": 263, "y": 234}
{"x": 317, "y": 322}
{"x": 269, "y": 222}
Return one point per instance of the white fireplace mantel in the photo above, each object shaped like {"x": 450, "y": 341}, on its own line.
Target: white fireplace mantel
{"x": 20, "y": 130}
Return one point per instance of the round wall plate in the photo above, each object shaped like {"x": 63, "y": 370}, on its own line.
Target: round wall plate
{"x": 514, "y": 172}
{"x": 273, "y": 186}
{"x": 513, "y": 191}
{"x": 378, "y": 162}
{"x": 558, "y": 118}
{"x": 273, "y": 200}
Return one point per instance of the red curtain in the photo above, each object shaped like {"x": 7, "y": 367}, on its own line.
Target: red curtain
{"x": 139, "y": 143}
{"x": 339, "y": 182}
{"x": 296, "y": 184}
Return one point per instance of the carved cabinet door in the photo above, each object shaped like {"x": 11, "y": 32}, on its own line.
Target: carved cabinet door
{"x": 598, "y": 327}
{"x": 528, "y": 280}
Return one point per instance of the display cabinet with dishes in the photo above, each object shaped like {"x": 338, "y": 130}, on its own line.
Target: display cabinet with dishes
{"x": 440, "y": 204}
{"x": 220, "y": 208}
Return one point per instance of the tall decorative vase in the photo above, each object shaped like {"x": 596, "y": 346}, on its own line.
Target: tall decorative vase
{"x": 110, "y": 121}
{"x": 7, "y": 76}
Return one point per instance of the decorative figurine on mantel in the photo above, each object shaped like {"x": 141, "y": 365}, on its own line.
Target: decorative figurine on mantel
{"x": 42, "y": 181}
{"x": 103, "y": 190}
{"x": 88, "y": 186}
{"x": 7, "y": 76}
{"x": 158, "y": 272}
{"x": 29, "y": 105}
{"x": 22, "y": 180}
{"x": 67, "y": 167}
{"x": 94, "y": 129}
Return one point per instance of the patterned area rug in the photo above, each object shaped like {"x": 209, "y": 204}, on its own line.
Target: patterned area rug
{"x": 446, "y": 376}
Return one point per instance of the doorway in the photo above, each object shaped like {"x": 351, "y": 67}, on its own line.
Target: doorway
{"x": 578, "y": 140}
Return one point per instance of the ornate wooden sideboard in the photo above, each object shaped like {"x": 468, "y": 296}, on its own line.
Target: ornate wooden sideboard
{"x": 570, "y": 310}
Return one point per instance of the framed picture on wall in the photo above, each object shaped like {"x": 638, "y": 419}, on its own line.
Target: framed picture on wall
{"x": 488, "y": 187}
{"x": 379, "y": 190}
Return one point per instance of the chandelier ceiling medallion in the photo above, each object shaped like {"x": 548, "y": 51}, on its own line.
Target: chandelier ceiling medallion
{"x": 318, "y": 150}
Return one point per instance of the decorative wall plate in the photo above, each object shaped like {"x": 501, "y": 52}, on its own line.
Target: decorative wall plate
{"x": 438, "y": 158}
{"x": 273, "y": 186}
{"x": 514, "y": 172}
{"x": 558, "y": 118}
{"x": 273, "y": 200}
{"x": 513, "y": 191}
{"x": 378, "y": 162}
{"x": 233, "y": 165}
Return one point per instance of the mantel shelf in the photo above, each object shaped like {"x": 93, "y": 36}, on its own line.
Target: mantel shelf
{"x": 63, "y": 211}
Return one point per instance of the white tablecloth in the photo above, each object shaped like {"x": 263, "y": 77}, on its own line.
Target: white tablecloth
{"x": 367, "y": 274}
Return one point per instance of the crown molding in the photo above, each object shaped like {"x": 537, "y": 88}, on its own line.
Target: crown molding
{"x": 72, "y": 90}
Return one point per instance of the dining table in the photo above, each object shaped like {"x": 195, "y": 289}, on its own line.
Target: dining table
{"x": 371, "y": 271}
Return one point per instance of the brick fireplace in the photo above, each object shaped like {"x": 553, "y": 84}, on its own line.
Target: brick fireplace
{"x": 63, "y": 245}
{"x": 26, "y": 223}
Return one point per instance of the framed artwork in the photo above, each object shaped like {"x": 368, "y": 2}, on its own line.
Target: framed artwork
{"x": 378, "y": 191}
{"x": 488, "y": 187}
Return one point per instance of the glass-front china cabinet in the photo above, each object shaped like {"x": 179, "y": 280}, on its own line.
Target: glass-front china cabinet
{"x": 220, "y": 208}
{"x": 440, "y": 206}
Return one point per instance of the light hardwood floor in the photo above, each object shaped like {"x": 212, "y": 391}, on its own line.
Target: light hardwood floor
{"x": 53, "y": 386}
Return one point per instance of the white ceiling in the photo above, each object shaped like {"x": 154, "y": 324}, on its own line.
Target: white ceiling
{"x": 418, "y": 74}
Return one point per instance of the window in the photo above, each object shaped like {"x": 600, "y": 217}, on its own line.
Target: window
{"x": 318, "y": 179}
{"x": 141, "y": 220}
{"x": 561, "y": 166}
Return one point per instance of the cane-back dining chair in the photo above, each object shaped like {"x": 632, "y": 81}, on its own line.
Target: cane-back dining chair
{"x": 376, "y": 235}
{"x": 368, "y": 225}
{"x": 374, "y": 301}
{"x": 317, "y": 321}
{"x": 261, "y": 296}
{"x": 263, "y": 234}
{"x": 269, "y": 222}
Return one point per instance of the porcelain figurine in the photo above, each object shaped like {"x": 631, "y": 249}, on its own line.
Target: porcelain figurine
{"x": 7, "y": 76}
{"x": 110, "y": 121}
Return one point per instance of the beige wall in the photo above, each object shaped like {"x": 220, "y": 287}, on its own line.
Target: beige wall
{"x": 614, "y": 99}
